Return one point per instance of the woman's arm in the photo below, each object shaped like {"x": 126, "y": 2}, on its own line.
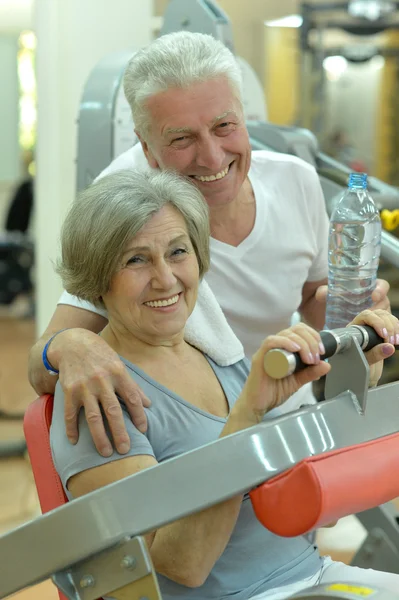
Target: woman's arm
{"x": 186, "y": 550}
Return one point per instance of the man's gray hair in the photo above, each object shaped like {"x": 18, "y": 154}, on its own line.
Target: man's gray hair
{"x": 176, "y": 60}
{"x": 110, "y": 213}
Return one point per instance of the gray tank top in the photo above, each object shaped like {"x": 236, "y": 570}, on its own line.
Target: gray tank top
{"x": 255, "y": 560}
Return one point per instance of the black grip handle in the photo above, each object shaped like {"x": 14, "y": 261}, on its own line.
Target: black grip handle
{"x": 280, "y": 363}
{"x": 330, "y": 343}
{"x": 373, "y": 338}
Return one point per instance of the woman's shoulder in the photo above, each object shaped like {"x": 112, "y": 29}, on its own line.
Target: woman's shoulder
{"x": 236, "y": 372}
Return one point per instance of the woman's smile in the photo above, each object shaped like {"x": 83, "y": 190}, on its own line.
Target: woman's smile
{"x": 164, "y": 304}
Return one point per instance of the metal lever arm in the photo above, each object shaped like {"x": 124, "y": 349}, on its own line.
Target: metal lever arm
{"x": 280, "y": 363}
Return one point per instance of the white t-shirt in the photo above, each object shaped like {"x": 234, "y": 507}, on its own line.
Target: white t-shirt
{"x": 259, "y": 283}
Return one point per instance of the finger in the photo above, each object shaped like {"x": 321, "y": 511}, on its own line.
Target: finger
{"x": 134, "y": 405}
{"x": 390, "y": 328}
{"x": 134, "y": 399}
{"x": 285, "y": 340}
{"x": 381, "y": 290}
{"x": 114, "y": 415}
{"x": 384, "y": 323}
{"x": 96, "y": 426}
{"x": 71, "y": 422}
{"x": 145, "y": 401}
{"x": 312, "y": 373}
{"x": 321, "y": 294}
{"x": 379, "y": 353}
{"x": 379, "y": 296}
{"x": 383, "y": 303}
{"x": 310, "y": 343}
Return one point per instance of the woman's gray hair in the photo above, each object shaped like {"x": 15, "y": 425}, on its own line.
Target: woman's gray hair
{"x": 110, "y": 213}
{"x": 176, "y": 60}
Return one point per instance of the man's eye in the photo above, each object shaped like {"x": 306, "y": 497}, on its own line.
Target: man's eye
{"x": 226, "y": 126}
{"x": 183, "y": 140}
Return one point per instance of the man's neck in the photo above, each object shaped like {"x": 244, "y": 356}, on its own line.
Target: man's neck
{"x": 234, "y": 222}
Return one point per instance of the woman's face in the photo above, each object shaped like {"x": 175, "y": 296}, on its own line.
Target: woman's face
{"x": 155, "y": 288}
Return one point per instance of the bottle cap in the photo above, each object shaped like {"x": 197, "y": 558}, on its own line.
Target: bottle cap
{"x": 358, "y": 181}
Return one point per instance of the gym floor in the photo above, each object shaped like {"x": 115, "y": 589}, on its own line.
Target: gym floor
{"x": 18, "y": 499}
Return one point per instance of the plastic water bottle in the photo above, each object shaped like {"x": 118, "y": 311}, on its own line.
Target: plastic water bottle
{"x": 353, "y": 253}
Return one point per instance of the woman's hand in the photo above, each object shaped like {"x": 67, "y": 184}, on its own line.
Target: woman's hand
{"x": 387, "y": 327}
{"x": 262, "y": 393}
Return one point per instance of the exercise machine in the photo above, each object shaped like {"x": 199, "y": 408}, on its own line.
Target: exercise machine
{"x": 93, "y": 545}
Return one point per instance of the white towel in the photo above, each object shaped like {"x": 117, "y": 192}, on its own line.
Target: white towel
{"x": 208, "y": 330}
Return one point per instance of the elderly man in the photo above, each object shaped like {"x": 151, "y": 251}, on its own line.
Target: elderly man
{"x": 267, "y": 218}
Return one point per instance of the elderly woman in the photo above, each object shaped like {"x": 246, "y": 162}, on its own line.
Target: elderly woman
{"x": 138, "y": 245}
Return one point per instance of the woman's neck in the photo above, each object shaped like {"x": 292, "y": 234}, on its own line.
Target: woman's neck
{"x": 138, "y": 348}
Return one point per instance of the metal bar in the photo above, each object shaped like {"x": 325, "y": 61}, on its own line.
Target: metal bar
{"x": 384, "y": 517}
{"x": 188, "y": 484}
{"x": 390, "y": 248}
{"x": 327, "y": 7}
{"x": 107, "y": 571}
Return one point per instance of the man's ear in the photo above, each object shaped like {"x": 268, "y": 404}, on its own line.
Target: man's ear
{"x": 152, "y": 161}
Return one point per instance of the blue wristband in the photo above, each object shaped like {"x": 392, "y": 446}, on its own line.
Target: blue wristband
{"x": 46, "y": 363}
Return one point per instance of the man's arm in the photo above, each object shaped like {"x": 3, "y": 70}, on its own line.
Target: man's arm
{"x": 313, "y": 312}
{"x": 91, "y": 374}
{"x": 64, "y": 316}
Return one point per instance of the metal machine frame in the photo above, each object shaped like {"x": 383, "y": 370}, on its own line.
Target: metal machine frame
{"x": 316, "y": 18}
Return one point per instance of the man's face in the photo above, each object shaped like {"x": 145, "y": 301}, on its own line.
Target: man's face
{"x": 200, "y": 132}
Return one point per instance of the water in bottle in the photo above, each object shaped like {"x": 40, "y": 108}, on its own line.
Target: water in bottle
{"x": 353, "y": 253}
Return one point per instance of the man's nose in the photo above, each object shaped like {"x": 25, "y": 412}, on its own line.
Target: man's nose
{"x": 210, "y": 155}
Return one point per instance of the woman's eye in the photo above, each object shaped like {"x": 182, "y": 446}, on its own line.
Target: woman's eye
{"x": 179, "y": 251}
{"x": 135, "y": 260}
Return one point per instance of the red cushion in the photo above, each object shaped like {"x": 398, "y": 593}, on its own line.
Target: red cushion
{"x": 323, "y": 488}
{"x": 37, "y": 423}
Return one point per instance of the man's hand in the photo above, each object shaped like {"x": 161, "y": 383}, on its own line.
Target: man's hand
{"x": 379, "y": 296}
{"x": 91, "y": 374}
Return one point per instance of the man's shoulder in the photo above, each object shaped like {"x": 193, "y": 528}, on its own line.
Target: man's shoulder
{"x": 261, "y": 158}
{"x": 133, "y": 158}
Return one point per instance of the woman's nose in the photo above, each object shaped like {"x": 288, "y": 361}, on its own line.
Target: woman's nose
{"x": 163, "y": 276}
